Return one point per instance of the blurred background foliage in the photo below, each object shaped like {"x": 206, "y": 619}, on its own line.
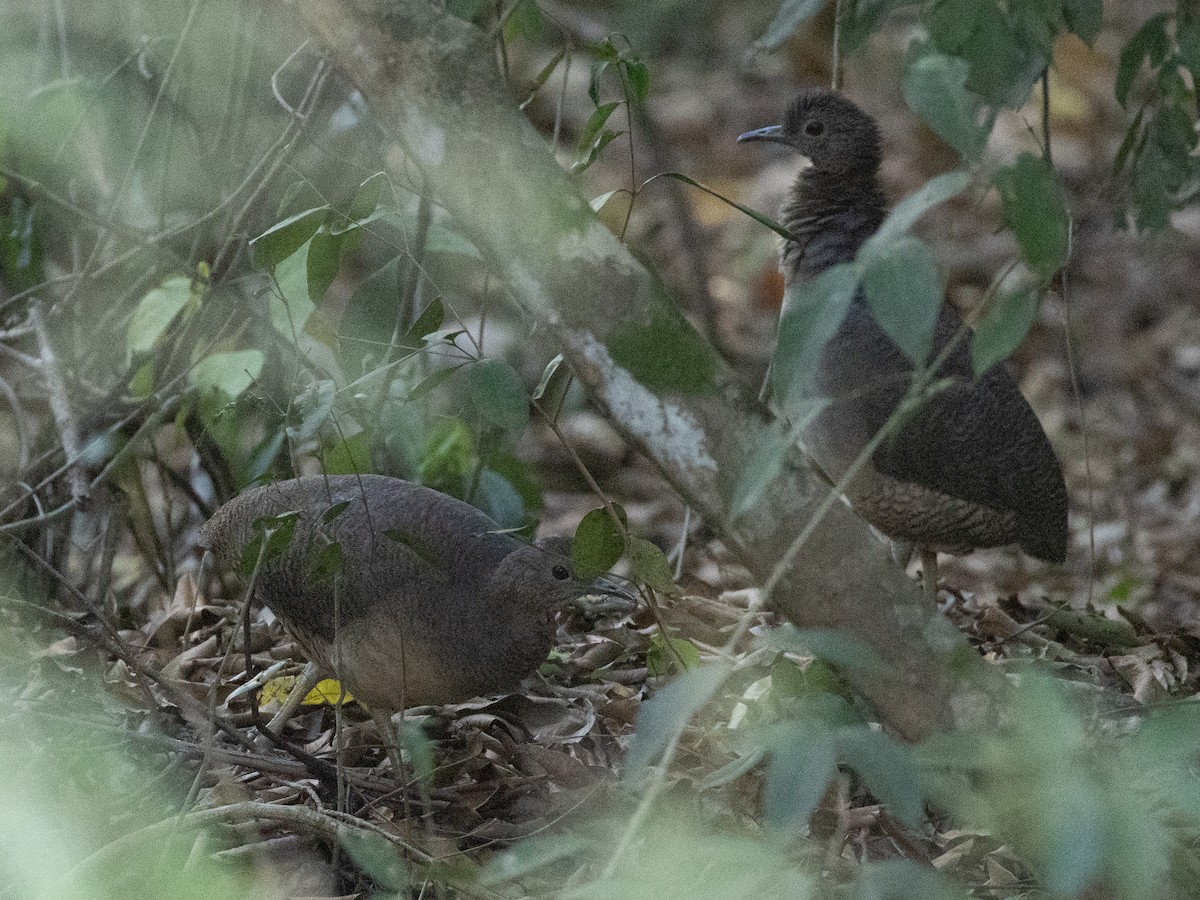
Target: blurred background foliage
{"x": 206, "y": 280}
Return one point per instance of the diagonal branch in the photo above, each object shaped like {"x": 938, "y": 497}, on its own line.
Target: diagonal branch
{"x": 430, "y": 78}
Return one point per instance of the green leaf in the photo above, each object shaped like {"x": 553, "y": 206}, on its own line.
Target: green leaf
{"x": 862, "y": 18}
{"x": 429, "y": 321}
{"x": 284, "y": 238}
{"x": 1148, "y": 42}
{"x": 324, "y": 259}
{"x": 791, "y": 15}
{"x": 315, "y": 405}
{"x": 935, "y": 89}
{"x": 905, "y": 294}
{"x": 605, "y": 51}
{"x": 351, "y": 456}
{"x": 756, "y": 216}
{"x": 551, "y": 390}
{"x": 586, "y": 159}
{"x": 365, "y": 201}
{"x": 155, "y": 313}
{"x": 417, "y": 746}
{"x": 430, "y": 382}
{"x": 544, "y": 75}
{"x": 650, "y": 566}
{"x": 278, "y": 532}
{"x": 894, "y": 879}
{"x": 1174, "y": 131}
{"x": 499, "y": 500}
{"x": 595, "y": 122}
{"x": 1134, "y": 136}
{"x": 597, "y": 545}
{"x": 639, "y": 79}
{"x": 664, "y": 352}
{"x": 906, "y": 213}
{"x": 837, "y": 647}
{"x": 326, "y": 563}
{"x": 1069, "y": 830}
{"x": 1151, "y": 192}
{"x": 468, "y": 10}
{"x": 887, "y": 768}
{"x": 1168, "y": 739}
{"x": 532, "y": 854}
{"x": 598, "y": 69}
{"x": 499, "y": 394}
{"x": 334, "y": 512}
{"x": 1137, "y": 841}
{"x": 376, "y": 857}
{"x": 802, "y": 764}
{"x": 291, "y": 303}
{"x": 369, "y": 321}
{"x": 438, "y": 239}
{"x": 141, "y": 384}
{"x": 520, "y": 475}
{"x": 261, "y": 457}
{"x": 21, "y": 257}
{"x": 1187, "y": 36}
{"x": 231, "y": 373}
{"x": 661, "y": 658}
{"x": 732, "y": 770}
{"x": 668, "y": 712}
{"x": 1084, "y": 18}
{"x": 762, "y": 467}
{"x": 1036, "y": 211}
{"x": 598, "y": 203}
{"x": 1003, "y": 328}
{"x": 951, "y": 23}
{"x": 813, "y": 308}
{"x": 524, "y": 20}
{"x": 1005, "y": 54}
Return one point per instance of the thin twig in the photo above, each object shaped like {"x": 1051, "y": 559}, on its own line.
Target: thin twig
{"x": 286, "y": 144}
{"x": 583, "y": 469}
{"x": 1060, "y": 281}
{"x": 60, "y": 402}
{"x": 835, "y": 76}
{"x": 327, "y": 823}
{"x": 115, "y": 646}
{"x": 692, "y": 242}
{"x": 275, "y": 89}
{"x": 166, "y": 410}
{"x": 633, "y": 183}
{"x": 18, "y": 415}
{"x": 647, "y": 593}
{"x": 559, "y": 104}
{"x": 90, "y": 217}
{"x": 136, "y": 152}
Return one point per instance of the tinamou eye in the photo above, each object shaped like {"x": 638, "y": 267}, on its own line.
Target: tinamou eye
{"x": 562, "y": 573}
{"x": 814, "y": 129}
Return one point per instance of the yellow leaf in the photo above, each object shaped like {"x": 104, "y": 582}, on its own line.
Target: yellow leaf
{"x": 276, "y": 690}
{"x": 327, "y": 691}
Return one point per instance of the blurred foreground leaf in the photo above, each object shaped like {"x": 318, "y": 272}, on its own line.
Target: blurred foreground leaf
{"x": 597, "y": 545}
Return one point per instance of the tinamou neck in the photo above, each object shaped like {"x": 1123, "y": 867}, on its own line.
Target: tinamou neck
{"x": 830, "y": 215}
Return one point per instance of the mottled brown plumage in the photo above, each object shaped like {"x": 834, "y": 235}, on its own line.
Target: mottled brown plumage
{"x": 434, "y": 604}
{"x": 972, "y": 467}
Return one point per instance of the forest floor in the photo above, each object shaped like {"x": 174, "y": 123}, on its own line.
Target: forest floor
{"x": 1112, "y": 367}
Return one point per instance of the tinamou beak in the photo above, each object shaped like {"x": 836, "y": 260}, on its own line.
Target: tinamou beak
{"x": 773, "y": 133}
{"x": 608, "y": 597}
